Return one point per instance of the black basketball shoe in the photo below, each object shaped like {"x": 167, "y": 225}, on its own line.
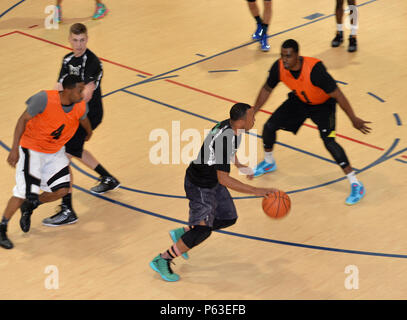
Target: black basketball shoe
{"x": 107, "y": 183}
{"x": 353, "y": 44}
{"x": 336, "y": 42}
{"x": 64, "y": 216}
{"x": 4, "y": 241}
{"x": 27, "y": 209}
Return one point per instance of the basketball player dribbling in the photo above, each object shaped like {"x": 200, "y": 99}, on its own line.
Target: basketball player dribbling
{"x": 206, "y": 185}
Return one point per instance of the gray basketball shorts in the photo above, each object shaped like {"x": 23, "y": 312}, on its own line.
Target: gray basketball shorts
{"x": 208, "y": 204}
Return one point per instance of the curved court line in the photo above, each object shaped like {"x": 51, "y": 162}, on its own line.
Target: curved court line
{"x": 11, "y": 8}
{"x": 398, "y": 120}
{"x": 241, "y": 235}
{"x": 375, "y": 96}
{"x": 341, "y": 82}
{"x": 126, "y": 188}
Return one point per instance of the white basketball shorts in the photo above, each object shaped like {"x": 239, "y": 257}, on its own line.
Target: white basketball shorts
{"x": 36, "y": 170}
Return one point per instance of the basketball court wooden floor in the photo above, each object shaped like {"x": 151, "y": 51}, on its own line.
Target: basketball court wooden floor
{"x": 181, "y": 65}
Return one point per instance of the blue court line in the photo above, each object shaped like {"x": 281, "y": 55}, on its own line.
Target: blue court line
{"x": 240, "y": 235}
{"x": 201, "y": 55}
{"x": 11, "y": 8}
{"x": 398, "y": 120}
{"x": 138, "y": 83}
{"x": 213, "y": 71}
{"x": 4, "y": 145}
{"x": 403, "y": 161}
{"x": 127, "y": 188}
{"x": 238, "y": 47}
{"x": 156, "y": 79}
{"x": 314, "y": 16}
{"x": 157, "y": 215}
{"x": 307, "y": 246}
{"x": 341, "y": 82}
{"x": 141, "y": 76}
{"x": 169, "y": 106}
{"x": 375, "y": 96}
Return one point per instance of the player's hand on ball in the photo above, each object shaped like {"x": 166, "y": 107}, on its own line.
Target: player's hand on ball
{"x": 264, "y": 192}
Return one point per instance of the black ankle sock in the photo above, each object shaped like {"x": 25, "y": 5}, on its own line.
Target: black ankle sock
{"x": 258, "y": 20}
{"x": 4, "y": 221}
{"x": 265, "y": 28}
{"x": 102, "y": 171}
{"x": 67, "y": 200}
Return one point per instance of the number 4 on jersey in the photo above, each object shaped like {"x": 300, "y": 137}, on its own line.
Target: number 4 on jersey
{"x": 57, "y": 133}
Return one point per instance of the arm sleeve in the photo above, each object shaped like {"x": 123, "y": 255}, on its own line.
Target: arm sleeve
{"x": 93, "y": 72}
{"x": 322, "y": 79}
{"x": 85, "y": 114}
{"x": 37, "y": 103}
{"x": 274, "y": 75}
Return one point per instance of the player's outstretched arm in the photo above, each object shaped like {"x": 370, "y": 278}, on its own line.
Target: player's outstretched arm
{"x": 345, "y": 105}
{"x": 262, "y": 97}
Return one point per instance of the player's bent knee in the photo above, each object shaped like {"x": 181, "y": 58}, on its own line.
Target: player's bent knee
{"x": 269, "y": 134}
{"x": 196, "y": 235}
{"x": 270, "y": 126}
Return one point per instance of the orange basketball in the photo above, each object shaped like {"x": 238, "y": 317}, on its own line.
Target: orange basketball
{"x": 277, "y": 205}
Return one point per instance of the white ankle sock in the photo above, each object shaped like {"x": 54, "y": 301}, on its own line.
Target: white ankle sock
{"x": 268, "y": 156}
{"x": 353, "y": 30}
{"x": 352, "y": 177}
{"x": 339, "y": 27}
